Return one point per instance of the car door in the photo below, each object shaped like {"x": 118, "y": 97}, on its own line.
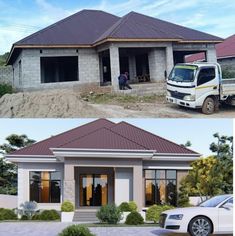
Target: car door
{"x": 206, "y": 82}
{"x": 226, "y": 216}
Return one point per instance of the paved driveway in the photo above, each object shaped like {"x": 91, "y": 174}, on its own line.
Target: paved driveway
{"x": 53, "y": 228}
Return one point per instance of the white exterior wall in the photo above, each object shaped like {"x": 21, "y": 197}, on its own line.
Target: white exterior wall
{"x": 123, "y": 185}
{"x": 24, "y": 185}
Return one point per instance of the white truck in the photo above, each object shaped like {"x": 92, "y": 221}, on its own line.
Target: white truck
{"x": 200, "y": 85}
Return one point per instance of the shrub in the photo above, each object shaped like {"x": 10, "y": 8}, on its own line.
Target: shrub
{"x": 109, "y": 214}
{"x": 124, "y": 207}
{"x": 5, "y": 88}
{"x": 128, "y": 206}
{"x": 48, "y": 215}
{"x": 67, "y": 206}
{"x": 7, "y": 214}
{"x": 76, "y": 230}
{"x": 153, "y": 213}
{"x": 132, "y": 206}
{"x": 29, "y": 208}
{"x": 134, "y": 218}
{"x": 24, "y": 217}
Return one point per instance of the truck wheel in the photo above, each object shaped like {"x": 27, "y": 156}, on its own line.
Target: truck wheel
{"x": 209, "y": 106}
{"x": 200, "y": 226}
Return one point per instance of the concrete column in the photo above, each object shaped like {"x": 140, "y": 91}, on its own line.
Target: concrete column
{"x": 157, "y": 64}
{"x": 114, "y": 65}
{"x": 211, "y": 55}
{"x": 138, "y": 186}
{"x": 69, "y": 183}
{"x": 132, "y": 67}
{"x": 169, "y": 59}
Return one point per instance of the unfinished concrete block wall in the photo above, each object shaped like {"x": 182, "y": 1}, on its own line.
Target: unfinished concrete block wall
{"x": 88, "y": 68}
{"x": 157, "y": 64}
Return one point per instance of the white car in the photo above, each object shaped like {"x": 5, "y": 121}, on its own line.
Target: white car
{"x": 214, "y": 216}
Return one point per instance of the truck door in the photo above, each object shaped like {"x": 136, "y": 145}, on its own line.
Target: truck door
{"x": 207, "y": 83}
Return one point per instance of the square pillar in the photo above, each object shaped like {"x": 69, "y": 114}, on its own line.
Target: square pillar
{"x": 211, "y": 55}
{"x": 69, "y": 183}
{"x": 132, "y": 67}
{"x": 114, "y": 65}
{"x": 169, "y": 59}
{"x": 138, "y": 186}
{"x": 157, "y": 64}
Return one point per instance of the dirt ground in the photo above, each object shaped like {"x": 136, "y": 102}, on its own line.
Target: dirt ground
{"x": 66, "y": 103}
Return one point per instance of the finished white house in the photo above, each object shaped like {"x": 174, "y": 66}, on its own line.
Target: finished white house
{"x": 99, "y": 163}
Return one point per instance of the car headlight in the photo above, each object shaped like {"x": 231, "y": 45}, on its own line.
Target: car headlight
{"x": 168, "y": 93}
{"x": 176, "y": 217}
{"x": 189, "y": 98}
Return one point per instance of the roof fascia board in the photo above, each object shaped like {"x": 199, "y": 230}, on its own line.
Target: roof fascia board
{"x": 103, "y": 153}
{"x": 175, "y": 158}
{"x": 33, "y": 160}
{"x": 168, "y": 167}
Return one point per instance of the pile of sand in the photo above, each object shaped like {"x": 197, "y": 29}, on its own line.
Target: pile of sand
{"x": 48, "y": 103}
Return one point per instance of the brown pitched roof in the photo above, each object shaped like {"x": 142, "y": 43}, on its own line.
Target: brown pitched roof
{"x": 104, "y": 134}
{"x": 223, "y": 50}
{"x": 88, "y": 27}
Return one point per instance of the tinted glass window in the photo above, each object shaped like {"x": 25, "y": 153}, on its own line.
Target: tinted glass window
{"x": 45, "y": 187}
{"x": 206, "y": 75}
{"x": 160, "y": 187}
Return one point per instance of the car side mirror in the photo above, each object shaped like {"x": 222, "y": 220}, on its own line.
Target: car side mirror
{"x": 228, "y": 206}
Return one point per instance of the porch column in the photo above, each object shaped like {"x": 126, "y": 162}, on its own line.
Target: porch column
{"x": 132, "y": 67}
{"x": 114, "y": 65}
{"x": 169, "y": 59}
{"x": 157, "y": 64}
{"x": 69, "y": 183}
{"x": 211, "y": 55}
{"x": 138, "y": 186}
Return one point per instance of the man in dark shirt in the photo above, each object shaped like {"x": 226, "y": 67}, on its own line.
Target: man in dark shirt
{"x": 123, "y": 81}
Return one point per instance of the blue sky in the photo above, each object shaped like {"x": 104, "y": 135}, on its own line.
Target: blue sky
{"x": 198, "y": 131}
{"x": 19, "y": 18}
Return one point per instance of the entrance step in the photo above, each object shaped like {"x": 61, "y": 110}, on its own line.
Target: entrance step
{"x": 85, "y": 215}
{"x": 140, "y": 89}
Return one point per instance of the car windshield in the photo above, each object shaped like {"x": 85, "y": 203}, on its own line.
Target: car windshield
{"x": 183, "y": 73}
{"x": 214, "y": 201}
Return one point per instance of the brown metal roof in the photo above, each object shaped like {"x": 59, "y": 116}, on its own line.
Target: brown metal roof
{"x": 89, "y": 27}
{"x": 104, "y": 134}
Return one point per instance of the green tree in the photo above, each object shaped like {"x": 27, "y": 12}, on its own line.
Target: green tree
{"x": 204, "y": 179}
{"x": 223, "y": 149}
{"x": 183, "y": 196}
{"x": 3, "y": 58}
{"x": 8, "y": 171}
{"x": 187, "y": 144}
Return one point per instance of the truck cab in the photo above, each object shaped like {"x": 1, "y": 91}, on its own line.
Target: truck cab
{"x": 198, "y": 85}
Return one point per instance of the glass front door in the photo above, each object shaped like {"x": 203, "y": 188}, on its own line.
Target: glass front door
{"x": 93, "y": 190}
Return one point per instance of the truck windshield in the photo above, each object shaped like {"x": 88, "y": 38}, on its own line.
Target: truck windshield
{"x": 183, "y": 73}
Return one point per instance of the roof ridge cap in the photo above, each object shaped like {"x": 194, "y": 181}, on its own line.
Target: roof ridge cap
{"x": 123, "y": 20}
{"x": 105, "y": 128}
{"x": 44, "y": 140}
{"x": 158, "y": 136}
{"x": 127, "y": 138}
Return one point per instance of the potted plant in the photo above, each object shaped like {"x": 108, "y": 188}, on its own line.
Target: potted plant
{"x": 67, "y": 211}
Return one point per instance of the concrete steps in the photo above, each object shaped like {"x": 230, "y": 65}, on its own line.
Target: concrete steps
{"x": 85, "y": 215}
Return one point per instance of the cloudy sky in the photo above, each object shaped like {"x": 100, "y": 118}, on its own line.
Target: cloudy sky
{"x": 198, "y": 131}
{"x": 19, "y": 18}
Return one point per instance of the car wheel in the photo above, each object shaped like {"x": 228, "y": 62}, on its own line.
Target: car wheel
{"x": 208, "y": 106}
{"x": 200, "y": 226}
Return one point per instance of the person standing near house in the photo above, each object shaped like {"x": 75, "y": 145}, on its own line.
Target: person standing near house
{"x": 123, "y": 81}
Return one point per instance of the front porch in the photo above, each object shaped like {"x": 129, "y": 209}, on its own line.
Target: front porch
{"x": 90, "y": 187}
